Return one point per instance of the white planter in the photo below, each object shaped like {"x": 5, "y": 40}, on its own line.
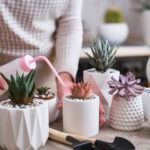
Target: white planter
{"x": 53, "y": 109}
{"x": 23, "y": 129}
{"x": 145, "y": 23}
{"x": 146, "y": 103}
{"x": 99, "y": 84}
{"x": 52, "y": 103}
{"x": 127, "y": 115}
{"x": 81, "y": 116}
{"x": 115, "y": 32}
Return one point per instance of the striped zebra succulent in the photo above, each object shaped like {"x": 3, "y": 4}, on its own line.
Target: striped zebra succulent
{"x": 103, "y": 54}
{"x": 21, "y": 89}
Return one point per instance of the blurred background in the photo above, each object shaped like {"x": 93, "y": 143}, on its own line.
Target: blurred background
{"x": 126, "y": 22}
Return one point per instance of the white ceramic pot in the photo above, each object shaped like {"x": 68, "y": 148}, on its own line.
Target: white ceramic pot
{"x": 146, "y": 103}
{"x": 99, "y": 84}
{"x": 52, "y": 103}
{"x": 148, "y": 70}
{"x": 145, "y": 23}
{"x": 81, "y": 116}
{"x": 53, "y": 109}
{"x": 115, "y": 32}
{"x": 23, "y": 128}
{"x": 127, "y": 115}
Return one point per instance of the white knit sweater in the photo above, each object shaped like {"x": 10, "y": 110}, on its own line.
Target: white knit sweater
{"x": 35, "y": 27}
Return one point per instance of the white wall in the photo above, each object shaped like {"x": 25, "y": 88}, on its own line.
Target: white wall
{"x": 93, "y": 15}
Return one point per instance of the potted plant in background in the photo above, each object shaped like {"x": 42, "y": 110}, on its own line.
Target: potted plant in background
{"x": 146, "y": 103}
{"x": 114, "y": 28}
{"x": 127, "y": 108}
{"x": 145, "y": 19}
{"x": 23, "y": 120}
{"x": 81, "y": 111}
{"x": 102, "y": 60}
{"x": 45, "y": 94}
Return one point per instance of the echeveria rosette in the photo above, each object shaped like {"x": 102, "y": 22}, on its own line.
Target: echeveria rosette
{"x": 126, "y": 87}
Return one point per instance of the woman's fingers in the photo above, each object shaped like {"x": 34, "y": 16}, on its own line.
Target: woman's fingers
{"x": 3, "y": 85}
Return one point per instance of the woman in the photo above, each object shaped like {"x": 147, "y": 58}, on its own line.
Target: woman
{"x": 43, "y": 27}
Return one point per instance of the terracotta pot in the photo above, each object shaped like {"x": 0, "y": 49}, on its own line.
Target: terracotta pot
{"x": 99, "y": 85}
{"x": 81, "y": 116}
{"x": 127, "y": 115}
{"x": 23, "y": 128}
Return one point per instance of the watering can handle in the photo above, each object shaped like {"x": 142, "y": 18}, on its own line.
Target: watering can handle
{"x": 61, "y": 137}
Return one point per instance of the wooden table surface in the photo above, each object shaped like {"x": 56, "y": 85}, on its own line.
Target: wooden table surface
{"x": 124, "y": 51}
{"x": 141, "y": 138}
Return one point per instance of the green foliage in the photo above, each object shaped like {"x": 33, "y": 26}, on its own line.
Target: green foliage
{"x": 43, "y": 90}
{"x": 145, "y": 5}
{"x": 113, "y": 15}
{"x": 103, "y": 54}
{"x": 21, "y": 89}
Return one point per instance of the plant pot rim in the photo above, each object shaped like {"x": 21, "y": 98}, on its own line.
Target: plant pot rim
{"x": 113, "y": 24}
{"x": 80, "y": 100}
{"x": 124, "y": 99}
{"x": 19, "y": 108}
{"x": 46, "y": 98}
{"x": 108, "y": 71}
{"x": 146, "y": 11}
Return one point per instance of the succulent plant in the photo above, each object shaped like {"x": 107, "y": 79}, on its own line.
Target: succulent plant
{"x": 145, "y": 5}
{"x": 113, "y": 15}
{"x": 21, "y": 89}
{"x": 103, "y": 54}
{"x": 43, "y": 90}
{"x": 126, "y": 87}
{"x": 81, "y": 90}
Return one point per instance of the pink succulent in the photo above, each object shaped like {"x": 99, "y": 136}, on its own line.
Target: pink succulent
{"x": 81, "y": 90}
{"x": 126, "y": 86}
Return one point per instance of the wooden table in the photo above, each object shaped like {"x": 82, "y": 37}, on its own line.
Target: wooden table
{"x": 141, "y": 138}
{"x": 124, "y": 51}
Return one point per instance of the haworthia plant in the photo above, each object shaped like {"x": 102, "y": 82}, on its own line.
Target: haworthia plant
{"x": 43, "y": 90}
{"x": 103, "y": 54}
{"x": 21, "y": 89}
{"x": 145, "y": 5}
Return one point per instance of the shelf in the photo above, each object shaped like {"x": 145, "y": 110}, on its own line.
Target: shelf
{"x": 124, "y": 51}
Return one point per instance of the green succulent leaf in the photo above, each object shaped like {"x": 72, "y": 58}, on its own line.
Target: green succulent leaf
{"x": 21, "y": 90}
{"x": 103, "y": 53}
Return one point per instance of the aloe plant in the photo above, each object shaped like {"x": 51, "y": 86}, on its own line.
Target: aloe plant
{"x": 81, "y": 90}
{"x": 126, "y": 87}
{"x": 21, "y": 89}
{"x": 113, "y": 15}
{"x": 43, "y": 90}
{"x": 103, "y": 54}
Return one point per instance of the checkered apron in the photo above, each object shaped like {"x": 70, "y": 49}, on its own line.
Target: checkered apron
{"x": 28, "y": 27}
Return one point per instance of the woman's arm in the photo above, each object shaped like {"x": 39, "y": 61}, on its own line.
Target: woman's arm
{"x": 68, "y": 45}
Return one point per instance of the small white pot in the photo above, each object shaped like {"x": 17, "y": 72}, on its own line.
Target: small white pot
{"x": 81, "y": 116}
{"x": 146, "y": 103}
{"x": 127, "y": 115}
{"x": 115, "y": 32}
{"x": 23, "y": 129}
{"x": 52, "y": 103}
{"x": 145, "y": 23}
{"x": 99, "y": 84}
{"x": 53, "y": 109}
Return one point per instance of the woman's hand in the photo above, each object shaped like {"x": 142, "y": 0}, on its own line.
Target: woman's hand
{"x": 3, "y": 85}
{"x": 61, "y": 90}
